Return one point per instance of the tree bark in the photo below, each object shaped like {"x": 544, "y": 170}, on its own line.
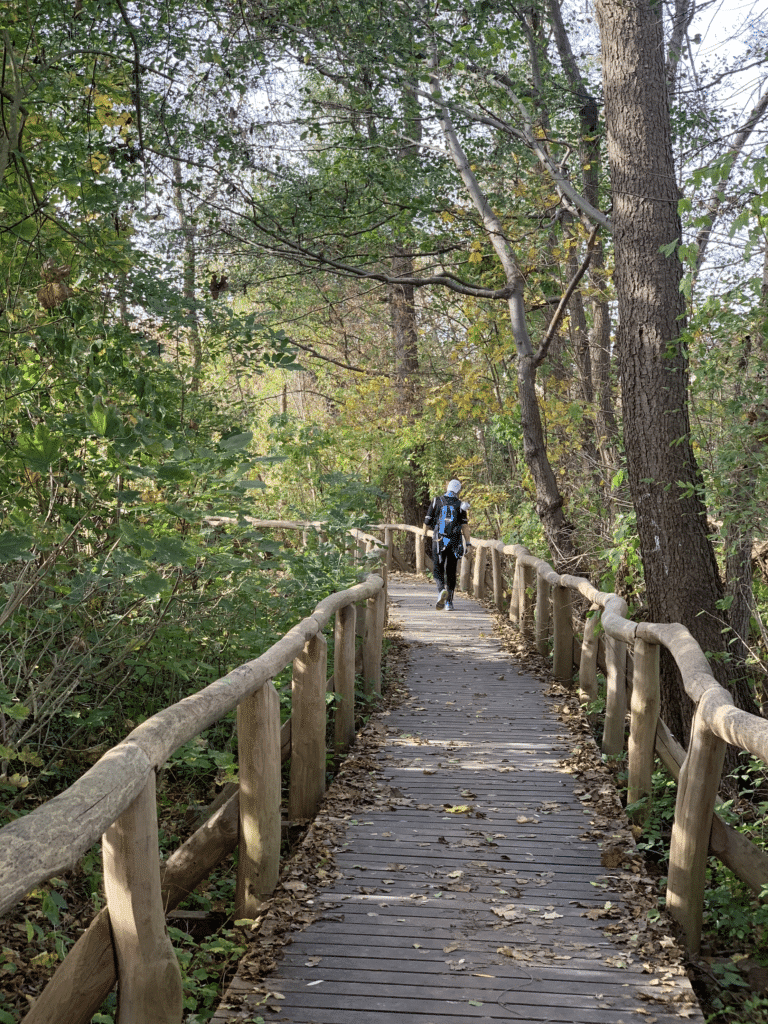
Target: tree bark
{"x": 681, "y": 575}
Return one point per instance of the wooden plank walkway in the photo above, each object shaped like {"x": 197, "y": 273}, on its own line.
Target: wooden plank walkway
{"x": 476, "y": 892}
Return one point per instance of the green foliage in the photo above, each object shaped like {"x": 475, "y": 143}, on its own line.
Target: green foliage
{"x": 204, "y": 964}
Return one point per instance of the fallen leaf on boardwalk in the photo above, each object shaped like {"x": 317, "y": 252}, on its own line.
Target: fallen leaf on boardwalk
{"x": 551, "y": 916}
{"x": 452, "y": 948}
{"x": 295, "y": 886}
{"x": 469, "y": 794}
{"x": 430, "y": 771}
{"x": 455, "y": 874}
{"x": 476, "y": 975}
{"x": 510, "y": 913}
{"x": 459, "y": 809}
{"x": 475, "y": 1002}
{"x": 416, "y": 945}
{"x": 318, "y": 982}
{"x": 515, "y": 954}
{"x": 522, "y": 820}
{"x": 313, "y": 961}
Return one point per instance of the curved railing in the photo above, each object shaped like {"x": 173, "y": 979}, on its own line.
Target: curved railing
{"x": 115, "y": 800}
{"x": 540, "y": 604}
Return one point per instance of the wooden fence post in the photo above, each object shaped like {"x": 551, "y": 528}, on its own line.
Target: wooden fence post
{"x": 344, "y": 677}
{"x": 465, "y": 571}
{"x": 478, "y": 576}
{"x": 374, "y": 631}
{"x": 588, "y": 663}
{"x": 514, "y": 601}
{"x": 307, "y": 783}
{"x": 389, "y": 543}
{"x": 419, "y": 543}
{"x": 543, "y": 615}
{"x": 258, "y": 746}
{"x": 696, "y": 795}
{"x": 615, "y": 695}
{"x": 147, "y": 968}
{"x": 527, "y": 616}
{"x": 563, "y": 629}
{"x": 498, "y": 581}
{"x": 643, "y": 720}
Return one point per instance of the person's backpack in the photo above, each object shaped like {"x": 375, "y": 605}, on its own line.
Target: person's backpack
{"x": 448, "y": 526}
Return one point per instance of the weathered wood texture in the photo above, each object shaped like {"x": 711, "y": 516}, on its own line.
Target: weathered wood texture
{"x": 150, "y": 978}
{"x": 643, "y": 719}
{"x": 344, "y": 678}
{"x": 478, "y": 914}
{"x": 696, "y": 795}
{"x": 258, "y": 751}
{"x": 307, "y": 783}
{"x": 563, "y": 632}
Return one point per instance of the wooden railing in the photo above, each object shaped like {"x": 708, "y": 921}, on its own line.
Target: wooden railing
{"x": 115, "y": 800}
{"x": 541, "y": 605}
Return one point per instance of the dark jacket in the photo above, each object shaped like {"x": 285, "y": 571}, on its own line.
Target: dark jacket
{"x": 433, "y": 514}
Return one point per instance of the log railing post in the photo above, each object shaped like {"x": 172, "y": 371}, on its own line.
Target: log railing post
{"x": 498, "y": 581}
{"x": 588, "y": 663}
{"x": 344, "y": 678}
{"x": 465, "y": 571}
{"x": 563, "y": 629}
{"x": 645, "y": 705}
{"x": 374, "y": 632}
{"x": 420, "y": 541}
{"x": 696, "y": 795}
{"x": 307, "y": 782}
{"x": 527, "y": 615}
{"x": 615, "y": 695}
{"x": 478, "y": 575}
{"x": 147, "y": 968}
{"x": 514, "y": 601}
{"x": 543, "y": 615}
{"x": 258, "y": 746}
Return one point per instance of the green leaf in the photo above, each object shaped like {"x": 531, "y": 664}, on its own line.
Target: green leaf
{"x": 41, "y": 450}
{"x": 15, "y": 545}
{"x": 237, "y": 442}
{"x": 171, "y": 552}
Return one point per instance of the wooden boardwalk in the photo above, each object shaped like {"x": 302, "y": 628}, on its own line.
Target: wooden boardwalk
{"x": 476, "y": 892}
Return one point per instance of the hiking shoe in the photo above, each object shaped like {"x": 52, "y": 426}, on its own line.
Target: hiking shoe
{"x": 440, "y": 603}
{"x": 449, "y": 606}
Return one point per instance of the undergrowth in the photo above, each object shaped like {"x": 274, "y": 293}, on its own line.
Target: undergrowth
{"x": 730, "y": 975}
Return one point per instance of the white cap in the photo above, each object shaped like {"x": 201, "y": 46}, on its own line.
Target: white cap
{"x": 453, "y": 487}
{"x": 465, "y": 506}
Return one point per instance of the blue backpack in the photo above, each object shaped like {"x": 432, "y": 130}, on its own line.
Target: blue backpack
{"x": 447, "y": 529}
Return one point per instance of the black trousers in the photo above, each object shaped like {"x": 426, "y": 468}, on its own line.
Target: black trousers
{"x": 444, "y": 568}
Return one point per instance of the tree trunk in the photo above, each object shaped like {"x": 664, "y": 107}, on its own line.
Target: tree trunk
{"x": 681, "y": 575}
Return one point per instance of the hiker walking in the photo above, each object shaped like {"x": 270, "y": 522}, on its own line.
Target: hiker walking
{"x": 447, "y": 519}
